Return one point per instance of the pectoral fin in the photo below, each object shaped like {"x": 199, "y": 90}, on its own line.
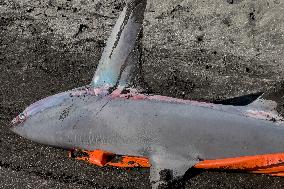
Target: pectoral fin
{"x": 177, "y": 165}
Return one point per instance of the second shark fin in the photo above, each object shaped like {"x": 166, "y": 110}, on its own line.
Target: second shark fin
{"x": 269, "y": 105}
{"x": 163, "y": 161}
{"x": 119, "y": 59}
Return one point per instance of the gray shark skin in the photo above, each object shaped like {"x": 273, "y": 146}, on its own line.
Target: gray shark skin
{"x": 175, "y": 134}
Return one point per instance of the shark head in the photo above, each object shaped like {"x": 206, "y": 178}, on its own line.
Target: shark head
{"x": 38, "y": 120}
{"x": 53, "y": 120}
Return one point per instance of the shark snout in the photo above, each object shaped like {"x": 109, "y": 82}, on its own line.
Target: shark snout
{"x": 17, "y": 124}
{"x": 18, "y": 120}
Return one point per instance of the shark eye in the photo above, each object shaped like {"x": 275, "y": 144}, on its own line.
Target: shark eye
{"x": 19, "y": 119}
{"x": 22, "y": 116}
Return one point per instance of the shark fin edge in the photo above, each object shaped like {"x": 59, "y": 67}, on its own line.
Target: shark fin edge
{"x": 167, "y": 166}
{"x": 270, "y": 105}
{"x": 120, "y": 58}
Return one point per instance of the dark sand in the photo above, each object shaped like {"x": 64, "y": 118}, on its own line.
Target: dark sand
{"x": 207, "y": 50}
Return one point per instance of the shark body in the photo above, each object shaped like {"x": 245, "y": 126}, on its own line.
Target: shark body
{"x": 175, "y": 134}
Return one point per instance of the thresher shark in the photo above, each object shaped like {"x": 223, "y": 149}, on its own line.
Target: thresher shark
{"x": 112, "y": 118}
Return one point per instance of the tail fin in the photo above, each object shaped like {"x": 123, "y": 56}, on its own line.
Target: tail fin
{"x": 119, "y": 58}
{"x": 270, "y": 105}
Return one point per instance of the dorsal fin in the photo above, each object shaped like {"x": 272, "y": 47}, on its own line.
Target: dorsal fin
{"x": 270, "y": 105}
{"x": 271, "y": 100}
{"x": 120, "y": 54}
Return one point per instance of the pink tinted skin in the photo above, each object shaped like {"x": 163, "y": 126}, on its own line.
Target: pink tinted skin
{"x": 265, "y": 115}
{"x": 134, "y": 95}
{"x": 245, "y": 110}
{"x": 39, "y": 106}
